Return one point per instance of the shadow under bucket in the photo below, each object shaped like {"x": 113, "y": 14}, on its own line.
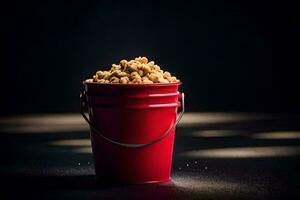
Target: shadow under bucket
{"x": 132, "y": 130}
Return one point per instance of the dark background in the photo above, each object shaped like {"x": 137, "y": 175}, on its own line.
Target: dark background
{"x": 233, "y": 56}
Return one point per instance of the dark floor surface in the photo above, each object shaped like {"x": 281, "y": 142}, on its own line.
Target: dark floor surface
{"x": 216, "y": 156}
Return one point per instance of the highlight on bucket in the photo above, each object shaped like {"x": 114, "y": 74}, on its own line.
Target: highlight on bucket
{"x": 133, "y": 113}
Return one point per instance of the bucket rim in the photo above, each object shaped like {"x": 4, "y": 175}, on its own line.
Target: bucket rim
{"x": 134, "y": 84}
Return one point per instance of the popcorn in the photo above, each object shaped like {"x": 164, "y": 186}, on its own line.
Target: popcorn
{"x": 124, "y": 79}
{"x": 137, "y": 71}
{"x": 114, "y": 79}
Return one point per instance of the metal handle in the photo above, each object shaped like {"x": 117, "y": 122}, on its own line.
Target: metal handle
{"x": 83, "y": 106}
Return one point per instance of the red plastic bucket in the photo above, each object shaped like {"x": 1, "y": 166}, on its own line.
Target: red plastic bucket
{"x": 132, "y": 130}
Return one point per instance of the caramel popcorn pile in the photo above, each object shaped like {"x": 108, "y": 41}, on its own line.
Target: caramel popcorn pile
{"x": 137, "y": 71}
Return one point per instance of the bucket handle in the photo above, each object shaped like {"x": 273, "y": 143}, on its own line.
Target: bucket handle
{"x": 166, "y": 133}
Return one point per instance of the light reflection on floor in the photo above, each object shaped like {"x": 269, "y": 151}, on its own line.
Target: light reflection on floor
{"x": 216, "y": 133}
{"x": 277, "y": 135}
{"x": 72, "y": 143}
{"x": 244, "y": 152}
{"x": 54, "y": 123}
{"x": 188, "y": 182}
{"x": 37, "y": 129}
{"x": 78, "y": 145}
{"x": 200, "y": 169}
{"x": 194, "y": 119}
{"x": 46, "y": 123}
{"x": 82, "y": 150}
{"x": 84, "y": 146}
{"x": 207, "y": 185}
{"x": 43, "y": 119}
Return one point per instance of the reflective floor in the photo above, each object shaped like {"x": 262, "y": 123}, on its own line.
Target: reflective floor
{"x": 216, "y": 156}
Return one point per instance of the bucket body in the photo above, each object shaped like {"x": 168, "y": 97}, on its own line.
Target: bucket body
{"x": 132, "y": 114}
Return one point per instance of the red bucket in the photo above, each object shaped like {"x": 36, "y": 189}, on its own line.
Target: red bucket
{"x": 132, "y": 130}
